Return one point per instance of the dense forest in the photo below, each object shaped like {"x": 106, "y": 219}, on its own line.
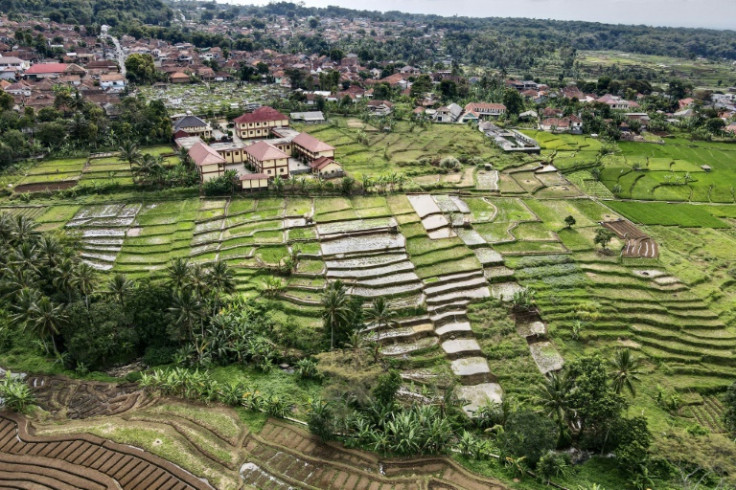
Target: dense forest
{"x": 85, "y": 12}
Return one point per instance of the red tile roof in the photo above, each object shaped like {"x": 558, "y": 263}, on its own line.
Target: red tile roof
{"x": 46, "y": 68}
{"x": 202, "y": 154}
{"x": 484, "y": 106}
{"x": 261, "y": 114}
{"x": 310, "y": 143}
{"x": 321, "y": 163}
{"x": 262, "y": 151}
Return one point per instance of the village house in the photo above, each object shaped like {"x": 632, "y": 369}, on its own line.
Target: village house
{"x": 194, "y": 126}
{"x": 572, "y": 124}
{"x": 617, "y": 103}
{"x": 13, "y": 62}
{"x": 267, "y": 159}
{"x": 53, "y": 70}
{"x": 326, "y": 168}
{"x": 258, "y": 124}
{"x": 310, "y": 148}
{"x": 179, "y": 77}
{"x": 485, "y": 109}
{"x": 209, "y": 163}
{"x": 112, "y": 81}
{"x": 315, "y": 117}
{"x": 251, "y": 182}
{"x": 380, "y": 107}
{"x": 448, "y": 114}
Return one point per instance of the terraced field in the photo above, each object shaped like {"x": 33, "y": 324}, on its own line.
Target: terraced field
{"x": 210, "y": 441}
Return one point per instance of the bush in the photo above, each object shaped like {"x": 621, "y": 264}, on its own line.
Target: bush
{"x": 553, "y": 464}
{"x": 528, "y": 434}
{"x": 158, "y": 355}
{"x": 15, "y": 393}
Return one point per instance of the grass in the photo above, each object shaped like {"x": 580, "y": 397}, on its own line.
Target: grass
{"x": 653, "y": 213}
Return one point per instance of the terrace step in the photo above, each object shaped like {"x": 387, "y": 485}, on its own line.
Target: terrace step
{"x": 406, "y": 322}
{"x": 369, "y": 292}
{"x": 449, "y": 316}
{"x": 479, "y": 395}
{"x": 476, "y": 282}
{"x": 471, "y": 370}
{"x": 477, "y": 293}
{"x": 453, "y": 328}
{"x": 394, "y": 279}
{"x": 366, "y": 273}
{"x": 461, "y": 304}
{"x": 368, "y": 262}
{"x": 458, "y": 348}
{"x": 401, "y": 334}
{"x": 451, "y": 278}
{"x": 404, "y": 348}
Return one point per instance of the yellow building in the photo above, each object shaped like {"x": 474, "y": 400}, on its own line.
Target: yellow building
{"x": 268, "y": 159}
{"x": 258, "y": 124}
{"x": 210, "y": 164}
{"x": 310, "y": 148}
{"x": 251, "y": 182}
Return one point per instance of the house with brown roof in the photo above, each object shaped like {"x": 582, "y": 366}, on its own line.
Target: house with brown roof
{"x": 209, "y": 163}
{"x": 326, "y": 168}
{"x": 310, "y": 148}
{"x": 486, "y": 109}
{"x": 179, "y": 77}
{"x": 572, "y": 124}
{"x": 265, "y": 158}
{"x": 258, "y": 124}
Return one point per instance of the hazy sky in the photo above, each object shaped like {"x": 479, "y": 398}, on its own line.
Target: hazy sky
{"x": 718, "y": 14}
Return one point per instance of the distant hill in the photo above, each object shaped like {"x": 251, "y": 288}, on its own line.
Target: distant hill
{"x": 470, "y": 37}
{"x": 86, "y": 12}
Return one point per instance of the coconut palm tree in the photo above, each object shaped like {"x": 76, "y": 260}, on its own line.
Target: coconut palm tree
{"x": 84, "y": 280}
{"x": 552, "y": 394}
{"x": 336, "y": 311}
{"x": 25, "y": 256}
{"x": 64, "y": 278}
{"x": 221, "y": 280}
{"x": 45, "y": 319}
{"x": 16, "y": 279}
{"x": 625, "y": 371}
{"x": 50, "y": 249}
{"x": 187, "y": 310}
{"x": 120, "y": 287}
{"x": 130, "y": 153}
{"x": 381, "y": 314}
{"x": 23, "y": 230}
{"x": 179, "y": 273}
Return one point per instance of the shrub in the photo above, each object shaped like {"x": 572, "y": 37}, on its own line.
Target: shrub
{"x": 529, "y": 435}
{"x": 553, "y": 464}
{"x": 15, "y": 393}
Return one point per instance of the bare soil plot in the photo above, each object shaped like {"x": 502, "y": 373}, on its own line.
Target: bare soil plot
{"x": 638, "y": 243}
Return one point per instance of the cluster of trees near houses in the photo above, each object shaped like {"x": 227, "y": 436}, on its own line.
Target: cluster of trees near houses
{"x": 74, "y": 125}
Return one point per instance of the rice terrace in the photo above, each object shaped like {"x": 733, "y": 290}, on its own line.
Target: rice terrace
{"x": 281, "y": 246}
